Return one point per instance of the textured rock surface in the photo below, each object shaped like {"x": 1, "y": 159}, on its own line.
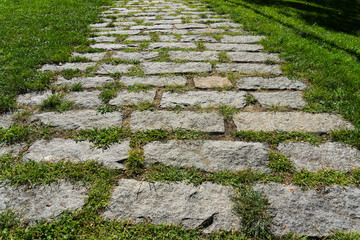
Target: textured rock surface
{"x": 92, "y": 56}
{"x": 154, "y": 80}
{"x": 211, "y": 156}
{"x": 58, "y": 149}
{"x": 289, "y": 121}
{"x": 80, "y": 66}
{"x": 12, "y": 149}
{"x": 139, "y": 38}
{"x": 194, "y": 56}
{"x": 197, "y": 38}
{"x": 42, "y": 202}
{"x": 207, "y": 206}
{"x": 311, "y": 213}
{"x": 206, "y": 122}
{"x": 128, "y": 98}
{"x": 6, "y": 120}
{"x": 211, "y": 82}
{"x": 203, "y": 99}
{"x": 104, "y": 39}
{"x": 241, "y": 39}
{"x": 281, "y": 99}
{"x": 278, "y": 83}
{"x": 233, "y": 47}
{"x": 170, "y": 67}
{"x": 330, "y": 155}
{"x": 139, "y": 56}
{"x": 85, "y": 99}
{"x": 160, "y": 45}
{"x": 79, "y": 119}
{"x": 252, "y": 57}
{"x": 249, "y": 68}
{"x": 33, "y": 98}
{"x": 108, "y": 68}
{"x": 86, "y": 82}
{"x": 190, "y": 26}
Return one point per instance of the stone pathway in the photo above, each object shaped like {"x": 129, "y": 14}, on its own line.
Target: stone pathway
{"x": 188, "y": 63}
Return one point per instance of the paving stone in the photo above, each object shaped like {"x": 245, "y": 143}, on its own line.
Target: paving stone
{"x": 203, "y": 99}
{"x": 119, "y": 32}
{"x": 194, "y": 56}
{"x": 278, "y": 83}
{"x": 166, "y": 31}
{"x": 85, "y": 99}
{"x": 280, "y": 99}
{"x": 197, "y": 38}
{"x": 139, "y": 38}
{"x": 6, "y": 120}
{"x": 97, "y": 25}
{"x": 225, "y": 24}
{"x": 139, "y": 56}
{"x": 160, "y": 27}
{"x": 249, "y": 68}
{"x": 104, "y": 39}
{"x": 33, "y": 98}
{"x": 206, "y": 20}
{"x": 14, "y": 149}
{"x": 155, "y": 81}
{"x": 161, "y": 45}
{"x": 330, "y": 155}
{"x": 233, "y": 47}
{"x": 80, "y": 66}
{"x": 289, "y": 121}
{"x": 241, "y": 39}
{"x": 86, "y": 82}
{"x": 42, "y": 202}
{"x": 190, "y": 26}
{"x": 168, "y": 38}
{"x": 58, "y": 149}
{"x": 92, "y": 56}
{"x": 207, "y": 207}
{"x": 252, "y": 57}
{"x": 79, "y": 119}
{"x": 113, "y": 46}
{"x": 109, "y": 68}
{"x": 311, "y": 213}
{"x": 210, "y": 156}
{"x": 206, "y": 122}
{"x": 128, "y": 98}
{"x": 160, "y": 22}
{"x": 206, "y": 31}
{"x": 211, "y": 82}
{"x": 125, "y": 23}
{"x": 170, "y": 67}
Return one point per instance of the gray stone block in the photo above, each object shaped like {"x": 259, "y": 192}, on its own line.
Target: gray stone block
{"x": 128, "y": 98}
{"x": 85, "y": 99}
{"x": 233, "y": 47}
{"x": 193, "y": 55}
{"x": 80, "y": 66}
{"x": 108, "y": 68}
{"x": 190, "y": 26}
{"x": 154, "y": 80}
{"x": 171, "y": 67}
{"x": 241, "y": 39}
{"x": 249, "y": 68}
{"x": 277, "y": 83}
{"x": 86, "y": 82}
{"x": 280, "y": 99}
{"x": 139, "y": 56}
{"x": 160, "y": 45}
{"x": 139, "y": 38}
{"x": 252, "y": 57}
{"x": 33, "y": 98}
{"x": 93, "y": 56}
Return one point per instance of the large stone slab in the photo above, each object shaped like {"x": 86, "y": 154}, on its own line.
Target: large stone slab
{"x": 197, "y": 38}
{"x": 14, "y": 149}
{"x": 113, "y": 46}
{"x": 119, "y": 32}
{"x": 277, "y": 83}
{"x": 211, "y": 82}
{"x": 206, "y": 122}
{"x": 79, "y": 119}
{"x": 190, "y": 26}
{"x": 207, "y": 207}
{"x": 203, "y": 99}
{"x": 330, "y": 155}
{"x": 290, "y": 121}
{"x": 86, "y": 82}
{"x": 252, "y": 57}
{"x": 280, "y": 99}
{"x": 225, "y": 24}
{"x": 33, "y": 98}
{"x": 241, "y": 39}
{"x": 41, "y": 202}
{"x": 193, "y": 55}
{"x": 311, "y": 213}
{"x": 139, "y": 38}
{"x": 233, "y": 47}
{"x": 159, "y": 27}
{"x": 210, "y": 156}
{"x": 54, "y": 68}
{"x": 160, "y": 45}
{"x": 104, "y": 39}
{"x": 108, "y": 68}
{"x": 59, "y": 149}
{"x": 154, "y": 80}
{"x": 6, "y": 120}
{"x": 85, "y": 99}
{"x": 139, "y": 56}
{"x": 168, "y": 38}
{"x": 128, "y": 98}
{"x": 249, "y": 68}
{"x": 171, "y": 67}
{"x": 92, "y": 56}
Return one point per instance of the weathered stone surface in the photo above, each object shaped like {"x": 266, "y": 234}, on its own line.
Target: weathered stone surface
{"x": 249, "y": 68}
{"x": 108, "y": 68}
{"x": 160, "y": 45}
{"x": 80, "y": 66}
{"x": 233, "y": 47}
{"x": 330, "y": 155}
{"x": 154, "y": 80}
{"x": 168, "y": 38}
{"x": 113, "y": 46}
{"x": 92, "y": 56}
{"x": 289, "y": 121}
{"x": 211, "y": 82}
{"x": 310, "y": 213}
{"x": 97, "y": 25}
{"x": 190, "y": 26}
{"x": 42, "y": 202}
{"x": 86, "y": 82}
{"x": 252, "y": 57}
{"x": 203, "y": 99}
{"x": 206, "y": 20}
{"x": 160, "y": 27}
{"x": 206, "y": 122}
{"x": 171, "y": 67}
{"x": 278, "y": 83}
{"x": 79, "y": 119}
{"x": 206, "y": 31}
{"x": 211, "y": 156}
{"x": 241, "y": 39}
{"x": 208, "y": 206}
{"x": 139, "y": 56}
{"x": 59, "y": 149}
{"x": 161, "y": 22}
{"x": 6, "y": 120}
{"x": 33, "y": 98}
{"x": 85, "y": 99}
{"x": 280, "y": 99}
{"x": 193, "y": 55}
{"x": 139, "y": 38}
{"x": 12, "y": 149}
{"x": 197, "y": 38}
{"x": 125, "y": 23}
{"x": 166, "y": 31}
{"x": 225, "y": 24}
{"x": 128, "y": 98}
{"x": 104, "y": 39}
{"x": 119, "y": 32}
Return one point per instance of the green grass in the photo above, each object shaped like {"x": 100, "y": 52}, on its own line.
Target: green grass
{"x": 36, "y": 32}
